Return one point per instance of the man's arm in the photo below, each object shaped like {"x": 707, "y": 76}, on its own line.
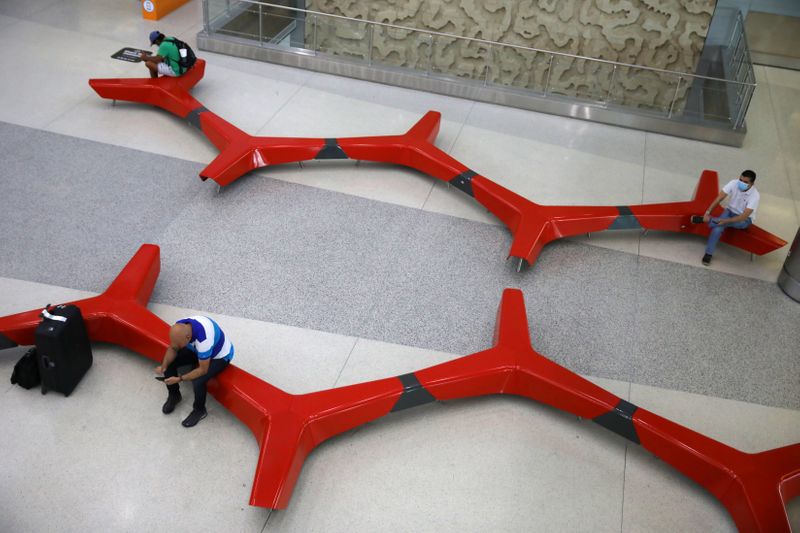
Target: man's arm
{"x": 721, "y": 196}
{"x": 201, "y": 370}
{"x": 738, "y": 218}
{"x": 169, "y": 357}
{"x": 151, "y": 58}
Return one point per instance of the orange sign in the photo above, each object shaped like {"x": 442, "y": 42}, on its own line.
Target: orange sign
{"x": 156, "y": 9}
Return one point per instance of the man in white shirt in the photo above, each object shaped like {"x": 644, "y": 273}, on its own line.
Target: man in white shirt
{"x": 740, "y": 213}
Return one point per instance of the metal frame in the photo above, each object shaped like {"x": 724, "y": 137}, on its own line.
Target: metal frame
{"x": 753, "y": 487}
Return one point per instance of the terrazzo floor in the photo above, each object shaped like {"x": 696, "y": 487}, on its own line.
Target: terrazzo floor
{"x": 336, "y": 273}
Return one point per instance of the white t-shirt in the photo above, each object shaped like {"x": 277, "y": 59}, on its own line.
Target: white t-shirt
{"x": 738, "y": 200}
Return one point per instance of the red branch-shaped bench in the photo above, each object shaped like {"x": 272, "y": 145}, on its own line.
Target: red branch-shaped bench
{"x": 753, "y": 487}
{"x": 531, "y": 224}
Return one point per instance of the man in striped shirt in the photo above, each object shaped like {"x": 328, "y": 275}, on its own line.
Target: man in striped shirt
{"x": 199, "y": 342}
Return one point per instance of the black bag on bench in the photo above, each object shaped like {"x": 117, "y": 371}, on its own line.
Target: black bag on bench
{"x": 26, "y": 371}
{"x": 63, "y": 347}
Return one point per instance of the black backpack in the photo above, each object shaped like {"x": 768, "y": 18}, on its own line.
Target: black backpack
{"x": 187, "y": 57}
{"x": 26, "y": 371}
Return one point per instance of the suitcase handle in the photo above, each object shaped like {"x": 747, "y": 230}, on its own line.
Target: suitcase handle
{"x": 47, "y": 363}
{"x": 47, "y": 315}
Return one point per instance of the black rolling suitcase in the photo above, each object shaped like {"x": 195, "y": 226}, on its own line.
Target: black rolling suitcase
{"x": 63, "y": 348}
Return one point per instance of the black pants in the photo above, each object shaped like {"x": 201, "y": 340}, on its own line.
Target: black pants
{"x": 187, "y": 357}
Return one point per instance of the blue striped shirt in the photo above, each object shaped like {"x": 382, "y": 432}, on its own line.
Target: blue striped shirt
{"x": 208, "y": 340}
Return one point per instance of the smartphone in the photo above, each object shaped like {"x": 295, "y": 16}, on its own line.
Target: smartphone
{"x": 161, "y": 378}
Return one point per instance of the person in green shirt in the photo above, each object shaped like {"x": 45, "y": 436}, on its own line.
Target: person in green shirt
{"x": 165, "y": 61}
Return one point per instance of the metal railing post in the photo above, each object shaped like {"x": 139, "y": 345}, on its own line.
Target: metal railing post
{"x": 611, "y": 84}
{"x": 735, "y": 27}
{"x": 738, "y": 76}
{"x": 675, "y": 96}
{"x": 314, "y": 38}
{"x": 743, "y": 105}
{"x": 430, "y": 54}
{"x": 549, "y": 70}
{"x": 731, "y": 61}
{"x": 737, "y": 39}
{"x": 260, "y": 26}
{"x": 742, "y": 69}
{"x": 206, "y": 18}
{"x": 371, "y": 34}
{"x": 486, "y": 66}
{"x": 738, "y": 51}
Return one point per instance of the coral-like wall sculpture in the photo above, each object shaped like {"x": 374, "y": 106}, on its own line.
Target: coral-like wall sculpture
{"x": 665, "y": 34}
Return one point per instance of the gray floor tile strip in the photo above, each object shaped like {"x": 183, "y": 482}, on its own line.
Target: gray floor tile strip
{"x": 74, "y": 211}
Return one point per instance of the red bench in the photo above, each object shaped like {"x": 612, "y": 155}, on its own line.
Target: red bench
{"x": 753, "y": 487}
{"x": 532, "y": 225}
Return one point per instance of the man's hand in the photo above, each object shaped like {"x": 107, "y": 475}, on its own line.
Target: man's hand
{"x": 706, "y": 218}
{"x": 173, "y": 380}
{"x": 160, "y": 369}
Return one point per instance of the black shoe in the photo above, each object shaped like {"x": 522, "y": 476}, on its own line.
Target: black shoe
{"x": 707, "y": 259}
{"x": 696, "y": 219}
{"x": 194, "y": 417}
{"x": 172, "y": 400}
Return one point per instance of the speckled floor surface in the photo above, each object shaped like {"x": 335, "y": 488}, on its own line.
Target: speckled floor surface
{"x": 307, "y": 257}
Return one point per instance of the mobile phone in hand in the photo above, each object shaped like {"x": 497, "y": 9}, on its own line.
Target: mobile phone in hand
{"x": 161, "y": 378}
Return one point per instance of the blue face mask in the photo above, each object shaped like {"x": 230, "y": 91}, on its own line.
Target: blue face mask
{"x": 742, "y": 185}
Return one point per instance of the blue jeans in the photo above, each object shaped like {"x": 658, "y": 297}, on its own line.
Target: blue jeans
{"x": 718, "y": 229}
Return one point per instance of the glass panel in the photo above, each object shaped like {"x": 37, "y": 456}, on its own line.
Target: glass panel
{"x": 216, "y": 8}
{"x": 239, "y": 19}
{"x": 459, "y": 58}
{"x": 580, "y": 78}
{"x": 522, "y": 69}
{"x": 272, "y": 25}
{"x": 649, "y": 91}
{"x": 708, "y": 101}
{"x": 281, "y": 27}
{"x": 343, "y": 38}
{"x": 401, "y": 48}
{"x": 716, "y": 103}
{"x": 219, "y": 12}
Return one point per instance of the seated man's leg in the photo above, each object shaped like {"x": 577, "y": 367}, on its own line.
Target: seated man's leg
{"x": 744, "y": 224}
{"x": 713, "y": 239}
{"x": 166, "y": 70}
{"x": 152, "y": 66}
{"x": 716, "y": 231}
{"x": 183, "y": 357}
{"x": 215, "y": 367}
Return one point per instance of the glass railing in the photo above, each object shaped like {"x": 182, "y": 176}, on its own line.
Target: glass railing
{"x": 721, "y": 101}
